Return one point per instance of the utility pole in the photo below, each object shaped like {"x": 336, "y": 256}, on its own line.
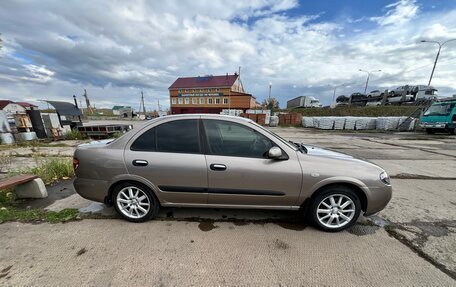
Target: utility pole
{"x": 142, "y": 104}
{"x": 270, "y": 87}
{"x": 438, "y": 54}
{"x": 368, "y": 76}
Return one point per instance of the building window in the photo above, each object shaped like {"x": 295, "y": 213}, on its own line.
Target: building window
{"x": 194, "y": 101}
{"x": 201, "y": 101}
{"x": 217, "y": 101}
{"x": 180, "y": 101}
{"x": 201, "y": 90}
{"x": 217, "y": 90}
{"x": 225, "y": 101}
{"x": 173, "y": 101}
{"x": 209, "y": 101}
{"x": 180, "y": 90}
{"x": 187, "y": 101}
{"x": 209, "y": 90}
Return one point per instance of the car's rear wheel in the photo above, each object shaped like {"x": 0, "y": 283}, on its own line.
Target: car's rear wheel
{"x": 135, "y": 202}
{"x": 335, "y": 208}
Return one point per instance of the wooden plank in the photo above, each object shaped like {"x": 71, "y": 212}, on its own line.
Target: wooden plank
{"x": 16, "y": 180}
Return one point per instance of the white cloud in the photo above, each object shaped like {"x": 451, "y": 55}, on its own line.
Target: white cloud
{"x": 398, "y": 13}
{"x": 115, "y": 50}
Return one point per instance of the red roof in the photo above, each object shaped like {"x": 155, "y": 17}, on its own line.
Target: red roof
{"x": 4, "y": 103}
{"x": 204, "y": 82}
{"x": 26, "y": 105}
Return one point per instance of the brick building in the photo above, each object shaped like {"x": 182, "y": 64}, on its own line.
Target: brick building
{"x": 209, "y": 94}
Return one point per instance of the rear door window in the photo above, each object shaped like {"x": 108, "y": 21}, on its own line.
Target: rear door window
{"x": 179, "y": 136}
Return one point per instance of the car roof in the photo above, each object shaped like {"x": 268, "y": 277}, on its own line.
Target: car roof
{"x": 207, "y": 116}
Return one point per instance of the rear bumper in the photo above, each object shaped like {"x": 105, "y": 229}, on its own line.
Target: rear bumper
{"x": 92, "y": 189}
{"x": 378, "y": 198}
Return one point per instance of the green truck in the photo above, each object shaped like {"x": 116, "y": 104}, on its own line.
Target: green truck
{"x": 440, "y": 117}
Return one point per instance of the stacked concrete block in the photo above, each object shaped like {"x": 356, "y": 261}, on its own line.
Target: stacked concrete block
{"x": 350, "y": 123}
{"x": 326, "y": 123}
{"x": 339, "y": 123}
{"x": 274, "y": 121}
{"x": 307, "y": 122}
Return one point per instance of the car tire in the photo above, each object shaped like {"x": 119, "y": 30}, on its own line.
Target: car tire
{"x": 452, "y": 131}
{"x": 335, "y": 208}
{"x": 135, "y": 202}
{"x": 430, "y": 131}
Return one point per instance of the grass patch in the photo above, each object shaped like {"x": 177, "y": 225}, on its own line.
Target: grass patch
{"x": 74, "y": 134}
{"x": 33, "y": 143}
{"x": 49, "y": 170}
{"x": 9, "y": 213}
{"x": 380, "y": 111}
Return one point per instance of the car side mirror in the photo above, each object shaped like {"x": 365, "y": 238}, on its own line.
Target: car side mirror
{"x": 274, "y": 153}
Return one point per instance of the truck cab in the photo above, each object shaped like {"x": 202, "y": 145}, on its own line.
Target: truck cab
{"x": 440, "y": 116}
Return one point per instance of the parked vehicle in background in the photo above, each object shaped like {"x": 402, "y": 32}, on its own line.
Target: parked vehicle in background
{"x": 399, "y": 91}
{"x": 358, "y": 99}
{"x": 401, "y": 98}
{"x": 342, "y": 99}
{"x": 304, "y": 102}
{"x": 425, "y": 93}
{"x": 374, "y": 103}
{"x": 374, "y": 93}
{"x": 440, "y": 117}
{"x": 226, "y": 162}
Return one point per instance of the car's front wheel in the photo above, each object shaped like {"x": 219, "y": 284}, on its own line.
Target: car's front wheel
{"x": 135, "y": 202}
{"x": 335, "y": 208}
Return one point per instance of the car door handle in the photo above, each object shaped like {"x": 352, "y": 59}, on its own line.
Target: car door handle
{"x": 217, "y": 166}
{"x": 140, "y": 162}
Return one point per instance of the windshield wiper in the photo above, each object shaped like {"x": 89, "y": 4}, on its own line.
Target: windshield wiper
{"x": 300, "y": 147}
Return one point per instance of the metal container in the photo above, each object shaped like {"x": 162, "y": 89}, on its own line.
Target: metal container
{"x": 26, "y": 136}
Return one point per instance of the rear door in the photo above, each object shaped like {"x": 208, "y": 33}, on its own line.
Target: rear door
{"x": 170, "y": 156}
{"x": 239, "y": 172}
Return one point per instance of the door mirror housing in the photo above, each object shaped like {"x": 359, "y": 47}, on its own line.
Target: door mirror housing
{"x": 274, "y": 153}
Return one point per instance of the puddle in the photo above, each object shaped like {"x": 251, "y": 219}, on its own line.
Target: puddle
{"x": 94, "y": 207}
{"x": 436, "y": 229}
{"x": 207, "y": 226}
{"x": 362, "y": 230}
{"x": 378, "y": 220}
{"x": 292, "y": 225}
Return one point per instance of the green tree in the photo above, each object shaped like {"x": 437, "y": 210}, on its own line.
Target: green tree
{"x": 270, "y": 104}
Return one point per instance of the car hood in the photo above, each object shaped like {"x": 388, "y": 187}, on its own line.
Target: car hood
{"x": 317, "y": 151}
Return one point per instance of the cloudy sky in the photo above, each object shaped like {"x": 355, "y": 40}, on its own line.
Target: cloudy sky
{"x": 115, "y": 49}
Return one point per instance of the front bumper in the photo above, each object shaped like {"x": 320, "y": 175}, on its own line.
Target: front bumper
{"x": 92, "y": 189}
{"x": 433, "y": 125}
{"x": 378, "y": 198}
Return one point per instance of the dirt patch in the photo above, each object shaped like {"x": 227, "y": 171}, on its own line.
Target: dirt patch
{"x": 279, "y": 244}
{"x": 81, "y": 251}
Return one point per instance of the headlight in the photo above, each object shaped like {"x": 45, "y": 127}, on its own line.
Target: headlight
{"x": 385, "y": 178}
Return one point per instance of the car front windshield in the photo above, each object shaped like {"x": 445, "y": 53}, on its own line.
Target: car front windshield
{"x": 439, "y": 110}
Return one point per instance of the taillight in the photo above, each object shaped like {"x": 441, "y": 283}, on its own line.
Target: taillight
{"x": 75, "y": 163}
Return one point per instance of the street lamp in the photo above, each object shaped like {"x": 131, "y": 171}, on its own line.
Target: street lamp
{"x": 335, "y": 88}
{"x": 368, "y": 76}
{"x": 438, "y": 54}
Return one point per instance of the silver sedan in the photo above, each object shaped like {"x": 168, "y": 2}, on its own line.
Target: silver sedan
{"x": 226, "y": 162}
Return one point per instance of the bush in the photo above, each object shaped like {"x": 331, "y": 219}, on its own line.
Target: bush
{"x": 75, "y": 135}
{"x": 50, "y": 170}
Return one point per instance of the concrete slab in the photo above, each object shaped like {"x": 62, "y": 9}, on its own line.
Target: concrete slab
{"x": 421, "y": 200}
{"x": 432, "y": 168}
{"x": 389, "y": 154}
{"x": 425, "y": 208}
{"x": 177, "y": 253}
{"x": 31, "y": 189}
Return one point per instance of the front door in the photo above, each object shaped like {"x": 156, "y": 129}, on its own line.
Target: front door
{"x": 170, "y": 157}
{"x": 239, "y": 172}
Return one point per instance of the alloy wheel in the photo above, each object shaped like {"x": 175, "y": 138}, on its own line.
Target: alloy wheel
{"x": 335, "y": 211}
{"x": 133, "y": 202}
